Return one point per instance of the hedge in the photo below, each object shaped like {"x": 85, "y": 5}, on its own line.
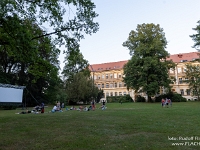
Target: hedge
{"x": 119, "y": 99}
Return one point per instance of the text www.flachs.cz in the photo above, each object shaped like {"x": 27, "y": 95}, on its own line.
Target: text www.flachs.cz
{"x": 186, "y": 144}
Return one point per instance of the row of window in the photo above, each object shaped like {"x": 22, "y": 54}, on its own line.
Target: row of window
{"x": 179, "y": 70}
{"x": 108, "y": 76}
{"x": 111, "y": 85}
{"x": 115, "y": 93}
{"x": 181, "y": 80}
{"x": 186, "y": 92}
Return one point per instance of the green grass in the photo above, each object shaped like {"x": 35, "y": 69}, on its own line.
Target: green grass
{"x": 130, "y": 126}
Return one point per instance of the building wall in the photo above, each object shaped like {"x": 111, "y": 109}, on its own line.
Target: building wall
{"x": 179, "y": 86}
{"x": 108, "y": 76}
{"x": 111, "y": 82}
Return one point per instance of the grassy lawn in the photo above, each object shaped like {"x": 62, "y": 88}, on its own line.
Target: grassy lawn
{"x": 130, "y": 126}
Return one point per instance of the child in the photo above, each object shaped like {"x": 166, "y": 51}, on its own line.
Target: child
{"x": 163, "y": 102}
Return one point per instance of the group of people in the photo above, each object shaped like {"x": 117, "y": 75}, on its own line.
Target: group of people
{"x": 36, "y": 110}
{"x": 58, "y": 107}
{"x": 81, "y": 108}
{"x": 166, "y": 102}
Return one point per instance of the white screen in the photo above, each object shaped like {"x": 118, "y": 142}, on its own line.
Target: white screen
{"x": 11, "y": 95}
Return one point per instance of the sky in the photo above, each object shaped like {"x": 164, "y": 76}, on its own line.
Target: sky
{"x": 118, "y": 17}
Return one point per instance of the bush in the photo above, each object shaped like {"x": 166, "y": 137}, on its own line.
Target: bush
{"x": 175, "y": 97}
{"x": 119, "y": 99}
{"x": 9, "y": 106}
{"x": 140, "y": 99}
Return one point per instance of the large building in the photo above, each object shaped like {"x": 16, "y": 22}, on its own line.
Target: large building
{"x": 108, "y": 76}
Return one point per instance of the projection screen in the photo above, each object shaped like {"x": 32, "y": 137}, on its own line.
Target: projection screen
{"x": 11, "y": 93}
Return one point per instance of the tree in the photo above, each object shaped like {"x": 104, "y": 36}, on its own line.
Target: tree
{"x": 147, "y": 70}
{"x": 32, "y": 64}
{"x": 193, "y": 75}
{"x": 80, "y": 88}
{"x": 68, "y": 20}
{"x": 196, "y": 37}
{"x": 29, "y": 53}
{"x": 74, "y": 63}
{"x": 193, "y": 70}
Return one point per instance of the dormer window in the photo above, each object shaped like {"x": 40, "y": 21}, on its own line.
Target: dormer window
{"x": 180, "y": 55}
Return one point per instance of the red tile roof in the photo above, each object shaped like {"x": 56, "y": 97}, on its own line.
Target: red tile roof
{"x": 108, "y": 66}
{"x": 183, "y": 57}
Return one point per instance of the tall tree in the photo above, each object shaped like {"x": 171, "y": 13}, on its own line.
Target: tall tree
{"x": 74, "y": 63}
{"x": 29, "y": 54}
{"x": 193, "y": 75}
{"x": 80, "y": 88}
{"x": 31, "y": 64}
{"x": 147, "y": 70}
{"x": 196, "y": 37}
{"x": 192, "y": 69}
{"x": 67, "y": 20}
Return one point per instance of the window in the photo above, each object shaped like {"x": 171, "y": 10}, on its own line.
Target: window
{"x": 119, "y": 75}
{"x": 95, "y": 77}
{"x": 115, "y": 93}
{"x": 102, "y": 76}
{"x": 171, "y": 71}
{"x": 188, "y": 91}
{"x": 115, "y": 84}
{"x": 179, "y": 70}
{"x": 124, "y": 84}
{"x": 102, "y": 85}
{"x": 182, "y": 92}
{"x": 107, "y": 85}
{"x": 180, "y": 81}
{"x": 111, "y": 85}
{"x": 115, "y": 75}
{"x": 111, "y": 76}
{"x": 120, "y": 84}
{"x": 107, "y": 94}
{"x": 120, "y": 93}
{"x": 124, "y": 93}
{"x": 99, "y": 85}
{"x": 99, "y": 77}
{"x": 106, "y": 76}
{"x": 111, "y": 93}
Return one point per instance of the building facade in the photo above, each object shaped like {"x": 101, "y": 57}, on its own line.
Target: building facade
{"x": 109, "y": 76}
{"x": 179, "y": 86}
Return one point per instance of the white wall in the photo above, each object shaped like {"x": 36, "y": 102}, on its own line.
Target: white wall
{"x": 11, "y": 95}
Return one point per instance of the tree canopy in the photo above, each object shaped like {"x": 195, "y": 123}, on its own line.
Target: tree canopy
{"x": 193, "y": 78}
{"x": 147, "y": 70}
{"x": 30, "y": 33}
{"x": 196, "y": 37}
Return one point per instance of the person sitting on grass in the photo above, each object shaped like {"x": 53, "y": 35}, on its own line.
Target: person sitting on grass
{"x": 170, "y": 102}
{"x": 85, "y": 109}
{"x": 163, "y": 102}
{"x": 166, "y": 102}
{"x": 90, "y": 108}
{"x": 72, "y": 108}
{"x": 24, "y": 112}
{"x": 81, "y": 108}
{"x": 103, "y": 107}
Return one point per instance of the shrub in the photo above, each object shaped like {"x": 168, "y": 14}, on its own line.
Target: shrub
{"x": 175, "y": 97}
{"x": 140, "y": 99}
{"x": 9, "y": 106}
{"x": 118, "y": 99}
